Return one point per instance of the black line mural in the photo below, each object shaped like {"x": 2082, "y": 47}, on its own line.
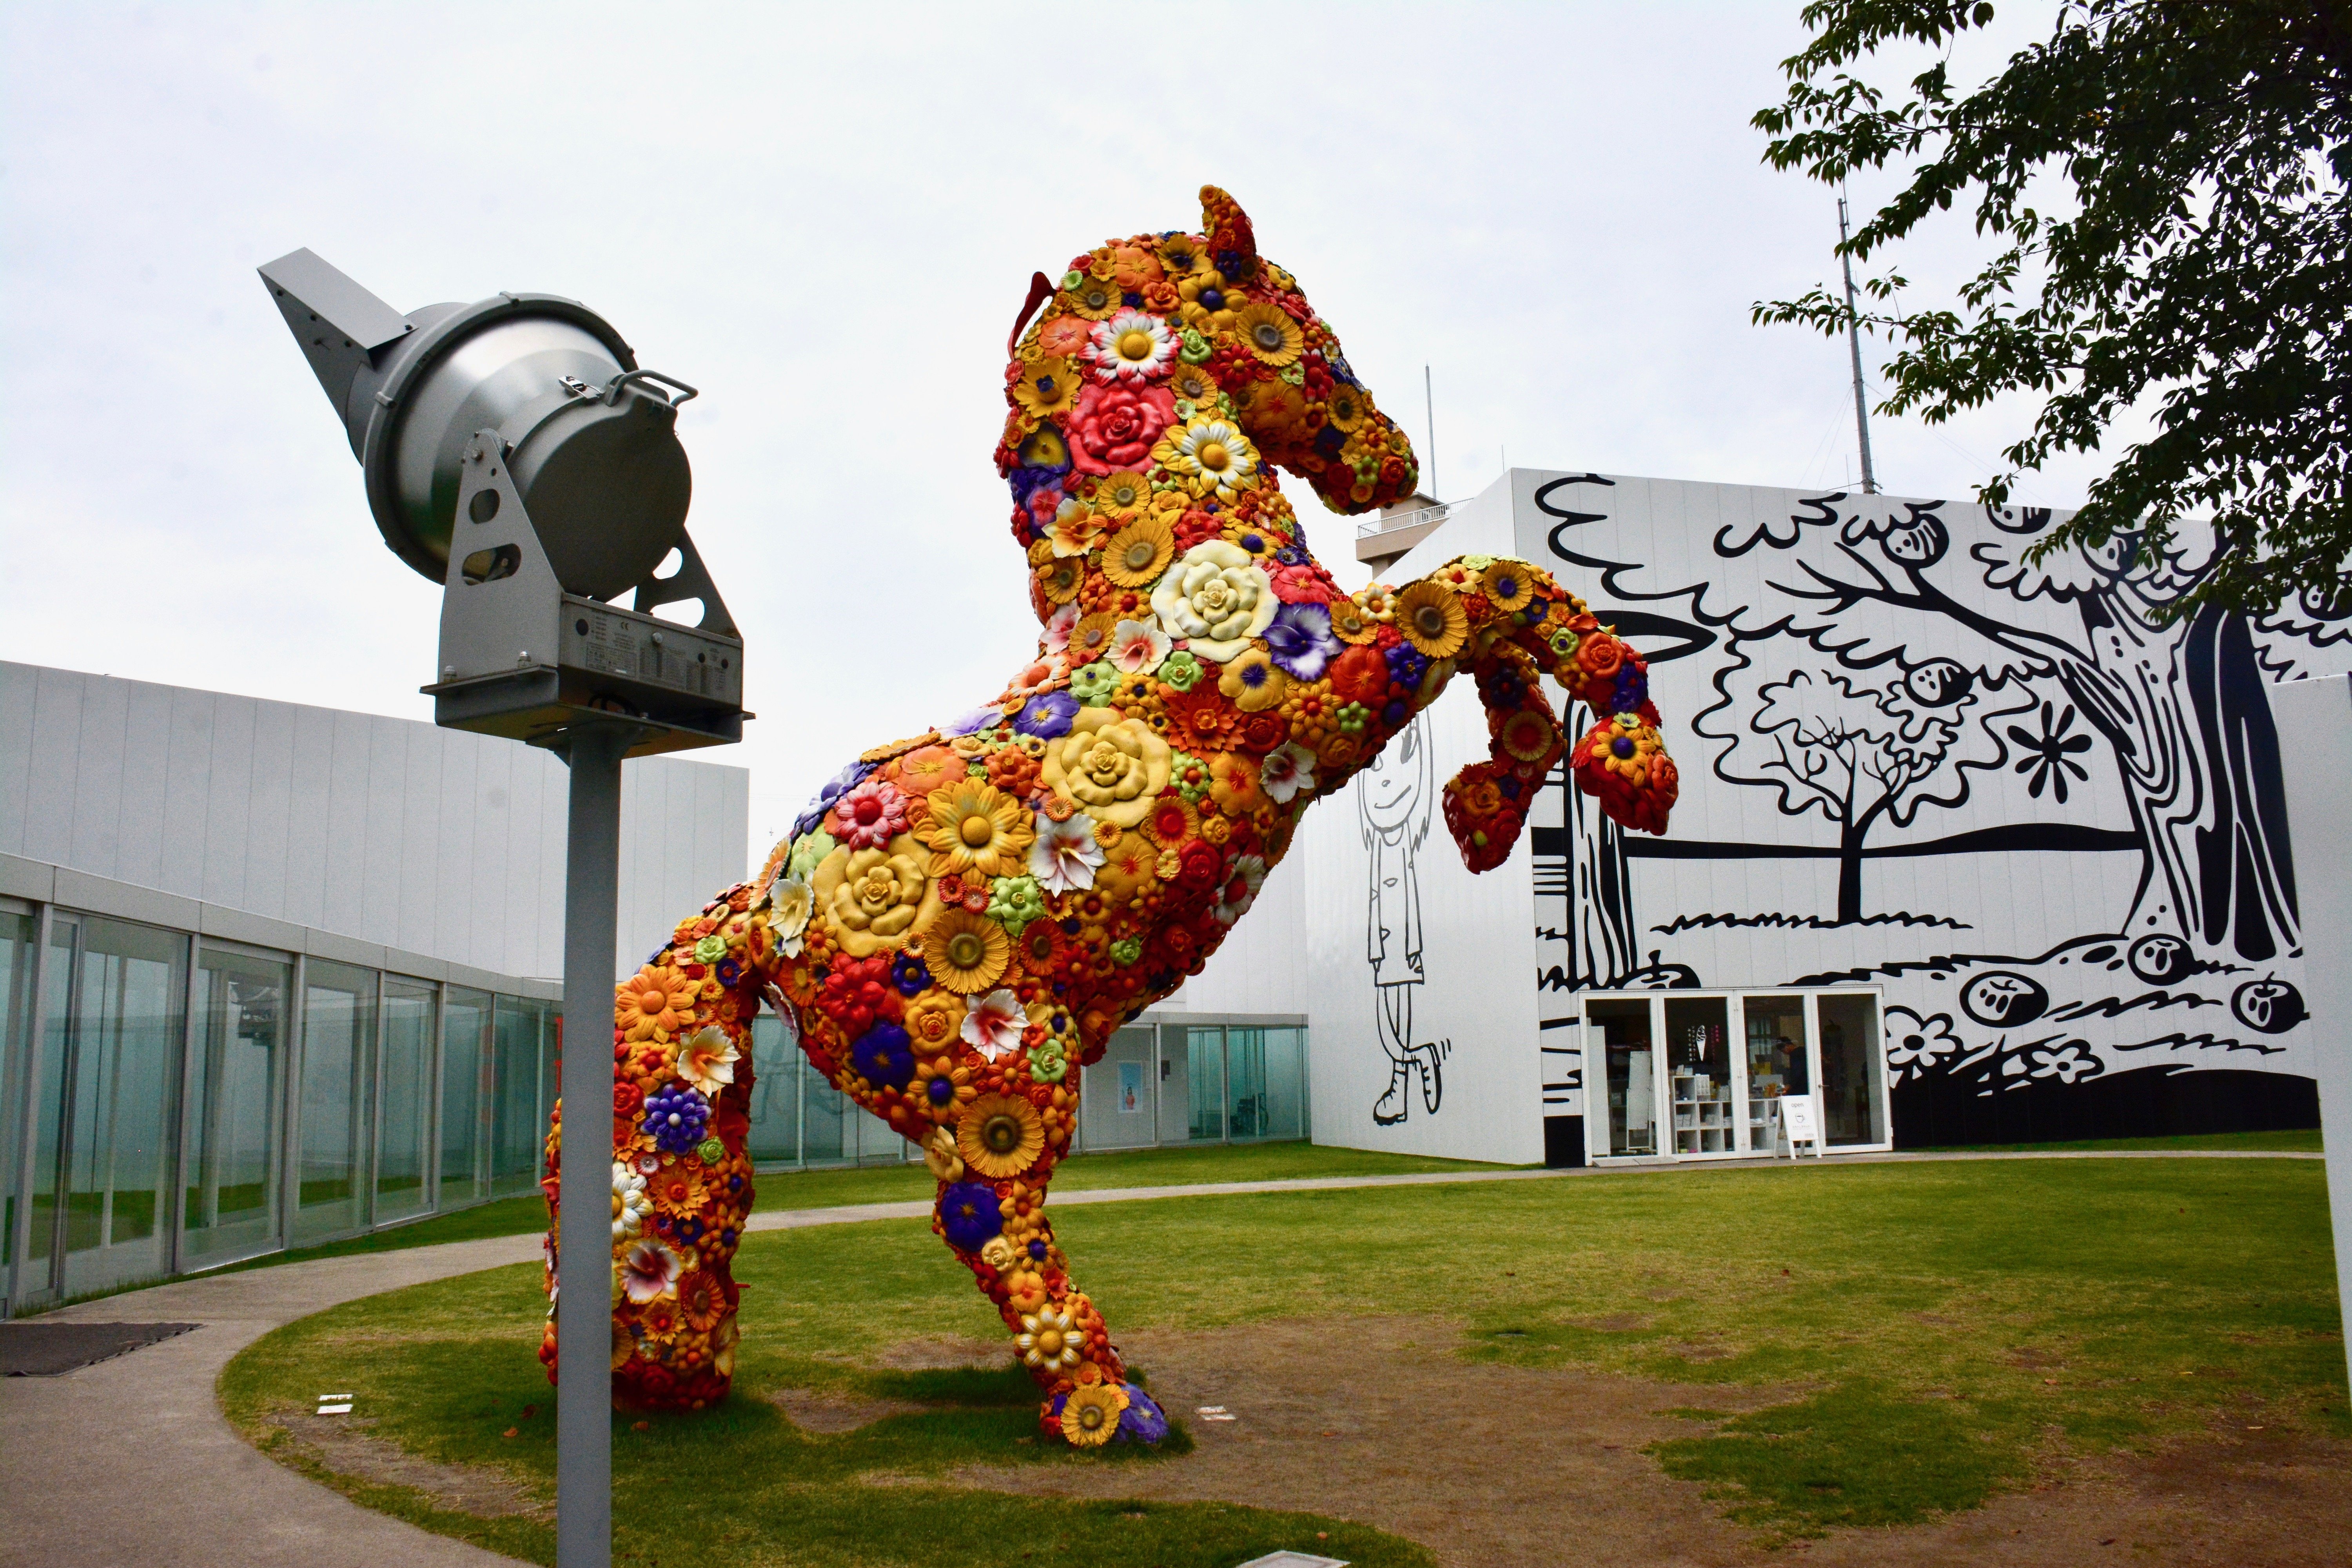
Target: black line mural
{"x": 1871, "y": 657}
{"x": 1394, "y": 801}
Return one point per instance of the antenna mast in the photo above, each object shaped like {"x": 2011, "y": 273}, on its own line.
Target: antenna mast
{"x": 1429, "y": 407}
{"x": 1853, "y": 346}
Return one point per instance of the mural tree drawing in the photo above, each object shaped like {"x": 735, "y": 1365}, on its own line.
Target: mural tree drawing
{"x": 1859, "y": 747}
{"x": 2178, "y": 703}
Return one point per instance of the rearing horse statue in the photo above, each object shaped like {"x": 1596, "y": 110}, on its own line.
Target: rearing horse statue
{"x": 962, "y": 918}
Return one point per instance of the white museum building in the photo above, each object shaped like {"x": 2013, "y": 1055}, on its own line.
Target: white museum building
{"x": 1968, "y": 851}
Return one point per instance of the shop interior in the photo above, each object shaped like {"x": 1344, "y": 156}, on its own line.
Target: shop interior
{"x": 1697, "y": 1075}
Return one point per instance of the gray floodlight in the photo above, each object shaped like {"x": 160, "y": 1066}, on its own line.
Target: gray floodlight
{"x": 514, "y": 452}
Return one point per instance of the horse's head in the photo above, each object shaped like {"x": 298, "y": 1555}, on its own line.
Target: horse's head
{"x": 1167, "y": 376}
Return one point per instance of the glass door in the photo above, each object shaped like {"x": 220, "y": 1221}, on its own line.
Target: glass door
{"x": 1777, "y": 1066}
{"x": 1699, "y": 1075}
{"x": 1854, "y": 1070}
{"x": 1620, "y": 1040}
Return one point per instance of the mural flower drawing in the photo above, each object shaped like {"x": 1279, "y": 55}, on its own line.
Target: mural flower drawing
{"x": 2050, "y": 755}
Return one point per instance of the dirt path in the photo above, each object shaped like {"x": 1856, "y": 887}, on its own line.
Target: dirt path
{"x": 1494, "y": 1467}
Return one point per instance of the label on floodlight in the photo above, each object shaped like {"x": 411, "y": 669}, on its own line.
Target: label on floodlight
{"x": 655, "y": 653}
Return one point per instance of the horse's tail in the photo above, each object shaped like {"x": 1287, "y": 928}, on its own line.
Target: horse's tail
{"x": 1534, "y": 627}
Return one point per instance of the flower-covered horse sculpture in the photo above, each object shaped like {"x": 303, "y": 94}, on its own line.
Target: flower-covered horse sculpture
{"x": 962, "y": 918}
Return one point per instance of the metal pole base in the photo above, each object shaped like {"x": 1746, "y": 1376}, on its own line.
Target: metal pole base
{"x": 584, "y": 1390}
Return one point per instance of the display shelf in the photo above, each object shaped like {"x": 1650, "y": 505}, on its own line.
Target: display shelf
{"x": 1702, "y": 1114}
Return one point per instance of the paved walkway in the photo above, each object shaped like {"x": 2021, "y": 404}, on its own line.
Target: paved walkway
{"x": 130, "y": 1461}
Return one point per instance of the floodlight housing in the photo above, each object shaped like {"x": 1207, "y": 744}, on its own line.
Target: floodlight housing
{"x": 516, "y": 453}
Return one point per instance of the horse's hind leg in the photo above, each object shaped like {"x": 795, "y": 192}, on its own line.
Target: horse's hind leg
{"x": 999, "y": 1230}
{"x": 680, "y": 1188}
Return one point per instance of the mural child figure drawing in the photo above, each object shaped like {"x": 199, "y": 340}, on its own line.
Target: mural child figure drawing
{"x": 1395, "y": 804}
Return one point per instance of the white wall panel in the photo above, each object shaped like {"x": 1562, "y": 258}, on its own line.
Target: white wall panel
{"x": 146, "y": 783}
{"x": 99, "y": 758}
{"x": 187, "y": 790}
{"x": 228, "y": 802}
{"x": 271, "y": 807}
{"x": 436, "y": 841}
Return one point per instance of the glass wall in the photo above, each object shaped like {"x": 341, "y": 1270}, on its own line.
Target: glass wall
{"x": 1284, "y": 1078}
{"x": 1205, "y": 1050}
{"x": 1156, "y": 1085}
{"x": 171, "y": 1102}
{"x": 336, "y": 1111}
{"x": 1265, "y": 1083}
{"x": 465, "y": 1063}
{"x": 403, "y": 1155}
{"x": 516, "y": 1122}
{"x": 231, "y": 1129}
{"x": 775, "y": 1135}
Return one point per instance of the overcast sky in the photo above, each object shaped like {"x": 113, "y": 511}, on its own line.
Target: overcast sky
{"x": 826, "y": 219}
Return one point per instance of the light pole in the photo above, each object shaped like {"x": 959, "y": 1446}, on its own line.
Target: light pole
{"x": 514, "y": 453}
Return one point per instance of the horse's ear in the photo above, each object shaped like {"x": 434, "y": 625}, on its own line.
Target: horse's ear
{"x": 1039, "y": 287}
{"x": 1233, "y": 243}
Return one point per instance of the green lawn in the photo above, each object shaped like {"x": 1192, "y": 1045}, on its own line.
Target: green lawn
{"x": 1941, "y": 1330}
{"x": 2300, "y": 1140}
{"x": 899, "y": 1184}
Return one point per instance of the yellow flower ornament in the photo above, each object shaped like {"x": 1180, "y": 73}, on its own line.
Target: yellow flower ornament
{"x": 1049, "y": 1340}
{"x": 1210, "y": 456}
{"x": 1216, "y": 597}
{"x": 971, "y": 826}
{"x": 1108, "y": 766}
{"x": 874, "y": 898}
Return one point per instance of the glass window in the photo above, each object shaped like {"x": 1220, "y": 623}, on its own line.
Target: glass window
{"x": 1285, "y": 1082}
{"x": 1116, "y": 1102}
{"x": 1207, "y": 1051}
{"x": 124, "y": 1072}
{"x": 337, "y": 1109}
{"x": 1245, "y": 1096}
{"x": 775, "y": 1135}
{"x": 404, "y": 1116}
{"x": 1776, "y": 1063}
{"x": 551, "y": 1070}
{"x": 826, "y": 1137}
{"x": 1628, "y": 1056}
{"x": 465, "y": 1063}
{"x": 1854, "y": 1071}
{"x": 52, "y": 1080}
{"x": 18, "y": 932}
{"x": 515, "y": 1139}
{"x": 232, "y": 1124}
